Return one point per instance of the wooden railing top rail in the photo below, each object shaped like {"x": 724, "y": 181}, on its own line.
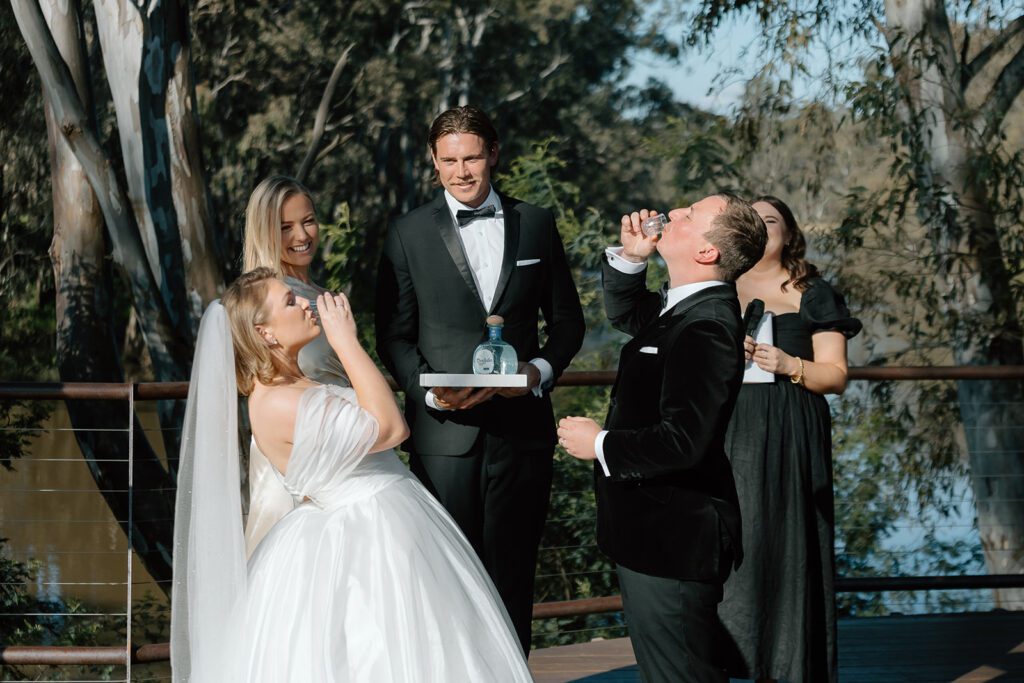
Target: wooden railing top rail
{"x": 150, "y": 391}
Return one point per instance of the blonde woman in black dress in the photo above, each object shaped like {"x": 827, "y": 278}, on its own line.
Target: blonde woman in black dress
{"x": 779, "y": 607}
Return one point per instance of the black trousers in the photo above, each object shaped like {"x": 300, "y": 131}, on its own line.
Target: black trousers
{"x": 498, "y": 495}
{"x": 674, "y": 626}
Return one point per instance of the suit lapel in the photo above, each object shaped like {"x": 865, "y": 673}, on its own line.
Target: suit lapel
{"x": 649, "y": 336}
{"x": 508, "y": 259}
{"x": 450, "y": 235}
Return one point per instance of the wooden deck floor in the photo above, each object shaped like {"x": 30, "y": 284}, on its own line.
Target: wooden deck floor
{"x": 953, "y": 648}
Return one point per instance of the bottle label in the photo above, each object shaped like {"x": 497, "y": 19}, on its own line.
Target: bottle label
{"x": 483, "y": 362}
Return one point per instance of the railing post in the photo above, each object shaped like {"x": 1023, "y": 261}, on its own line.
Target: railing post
{"x": 131, "y": 531}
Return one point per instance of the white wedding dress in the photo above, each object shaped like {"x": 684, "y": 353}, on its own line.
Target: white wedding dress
{"x": 366, "y": 579}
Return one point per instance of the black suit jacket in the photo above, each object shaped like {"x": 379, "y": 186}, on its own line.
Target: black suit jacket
{"x": 430, "y": 318}
{"x": 669, "y": 507}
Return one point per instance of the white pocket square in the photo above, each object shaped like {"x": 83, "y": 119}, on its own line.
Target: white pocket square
{"x": 648, "y": 349}
{"x": 528, "y": 262}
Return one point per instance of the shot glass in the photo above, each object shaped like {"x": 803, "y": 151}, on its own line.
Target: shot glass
{"x": 654, "y": 225}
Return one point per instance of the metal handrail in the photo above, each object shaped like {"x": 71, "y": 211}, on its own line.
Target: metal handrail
{"x": 53, "y": 655}
{"x": 147, "y": 391}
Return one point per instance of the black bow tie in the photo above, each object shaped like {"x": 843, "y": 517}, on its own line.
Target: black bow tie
{"x": 464, "y": 216}
{"x": 663, "y": 293}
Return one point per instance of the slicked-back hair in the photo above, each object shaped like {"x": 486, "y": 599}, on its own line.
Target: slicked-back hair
{"x": 262, "y": 247}
{"x": 740, "y": 236}
{"x": 795, "y": 248}
{"x": 464, "y": 119}
{"x": 245, "y": 302}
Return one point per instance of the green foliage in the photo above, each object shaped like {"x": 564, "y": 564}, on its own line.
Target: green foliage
{"x": 341, "y": 249}
{"x": 28, "y": 620}
{"x": 56, "y": 623}
{"x": 26, "y": 284}
{"x": 867, "y": 501}
{"x": 339, "y": 244}
{"x": 539, "y": 177}
{"x": 22, "y": 325}
{"x": 894, "y": 465}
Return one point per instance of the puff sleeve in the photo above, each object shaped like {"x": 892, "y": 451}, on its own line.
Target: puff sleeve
{"x": 824, "y": 310}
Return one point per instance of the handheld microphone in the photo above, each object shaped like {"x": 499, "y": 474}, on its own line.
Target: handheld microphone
{"x": 752, "y": 316}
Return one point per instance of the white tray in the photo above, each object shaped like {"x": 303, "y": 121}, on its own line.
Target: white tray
{"x": 448, "y": 379}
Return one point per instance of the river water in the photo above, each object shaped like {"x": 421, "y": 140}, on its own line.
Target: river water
{"x": 51, "y": 511}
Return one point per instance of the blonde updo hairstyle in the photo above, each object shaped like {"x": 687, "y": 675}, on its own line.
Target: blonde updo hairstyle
{"x": 245, "y": 302}
{"x": 263, "y": 221}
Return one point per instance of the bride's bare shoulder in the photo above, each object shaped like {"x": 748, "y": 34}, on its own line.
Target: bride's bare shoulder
{"x": 273, "y": 409}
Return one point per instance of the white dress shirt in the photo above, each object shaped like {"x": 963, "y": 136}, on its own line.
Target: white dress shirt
{"x": 483, "y": 241}
{"x": 673, "y": 297}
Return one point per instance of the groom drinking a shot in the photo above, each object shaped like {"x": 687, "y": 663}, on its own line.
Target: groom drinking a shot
{"x": 667, "y": 511}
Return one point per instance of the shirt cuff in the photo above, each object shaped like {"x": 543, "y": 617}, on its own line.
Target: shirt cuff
{"x": 599, "y": 450}
{"x": 431, "y": 403}
{"x": 617, "y": 261}
{"x": 547, "y": 376}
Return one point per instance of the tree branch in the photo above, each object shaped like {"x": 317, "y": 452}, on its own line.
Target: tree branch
{"x": 233, "y": 78}
{"x": 321, "y": 115}
{"x": 557, "y": 61}
{"x": 981, "y": 60}
{"x": 338, "y": 141}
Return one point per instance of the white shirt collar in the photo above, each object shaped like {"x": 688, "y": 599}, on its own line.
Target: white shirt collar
{"x": 677, "y": 294}
{"x": 454, "y": 205}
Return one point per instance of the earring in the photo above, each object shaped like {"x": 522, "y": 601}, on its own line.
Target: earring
{"x": 273, "y": 341}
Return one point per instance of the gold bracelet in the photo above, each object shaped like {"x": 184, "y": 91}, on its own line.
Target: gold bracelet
{"x": 798, "y": 378}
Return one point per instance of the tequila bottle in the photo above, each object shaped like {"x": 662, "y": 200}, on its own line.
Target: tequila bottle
{"x": 494, "y": 356}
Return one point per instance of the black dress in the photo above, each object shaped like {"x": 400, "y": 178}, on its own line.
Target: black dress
{"x": 779, "y": 607}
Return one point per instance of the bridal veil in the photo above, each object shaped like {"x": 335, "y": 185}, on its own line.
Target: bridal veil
{"x": 209, "y": 587}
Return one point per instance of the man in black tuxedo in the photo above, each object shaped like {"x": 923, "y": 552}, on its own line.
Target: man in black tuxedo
{"x": 472, "y": 252}
{"x": 667, "y": 511}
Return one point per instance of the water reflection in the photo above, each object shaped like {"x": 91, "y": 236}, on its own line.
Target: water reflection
{"x": 51, "y": 511}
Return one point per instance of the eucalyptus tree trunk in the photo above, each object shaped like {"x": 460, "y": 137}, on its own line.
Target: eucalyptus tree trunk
{"x": 146, "y": 54}
{"x": 167, "y": 348}
{"x": 86, "y": 348}
{"x": 971, "y": 274}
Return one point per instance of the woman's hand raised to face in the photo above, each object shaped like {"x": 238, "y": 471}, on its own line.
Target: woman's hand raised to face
{"x": 336, "y": 319}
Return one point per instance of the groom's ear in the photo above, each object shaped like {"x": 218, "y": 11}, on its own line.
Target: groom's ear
{"x": 708, "y": 255}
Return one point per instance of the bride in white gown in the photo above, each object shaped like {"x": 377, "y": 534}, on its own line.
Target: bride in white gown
{"x": 367, "y": 578}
